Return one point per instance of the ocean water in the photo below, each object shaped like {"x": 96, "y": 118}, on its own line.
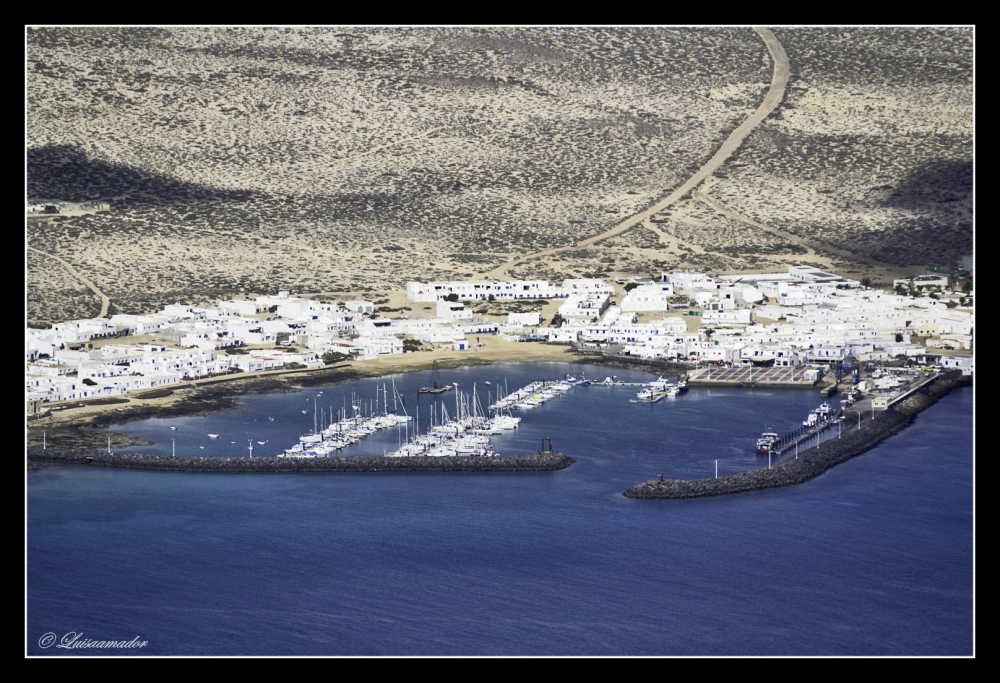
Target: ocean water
{"x": 871, "y": 558}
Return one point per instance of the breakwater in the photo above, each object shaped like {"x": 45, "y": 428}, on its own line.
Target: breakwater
{"x": 546, "y": 461}
{"x": 814, "y": 461}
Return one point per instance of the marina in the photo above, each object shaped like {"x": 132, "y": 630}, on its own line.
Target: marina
{"x": 573, "y": 414}
{"x": 492, "y": 548}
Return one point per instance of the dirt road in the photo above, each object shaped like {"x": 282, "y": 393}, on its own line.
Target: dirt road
{"x": 105, "y": 302}
{"x": 772, "y": 99}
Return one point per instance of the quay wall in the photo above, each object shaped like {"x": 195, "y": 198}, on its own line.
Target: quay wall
{"x": 614, "y": 360}
{"x": 533, "y": 462}
{"x": 816, "y": 460}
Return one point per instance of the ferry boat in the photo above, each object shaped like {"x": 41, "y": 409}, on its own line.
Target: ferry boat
{"x": 767, "y": 442}
{"x": 818, "y": 416}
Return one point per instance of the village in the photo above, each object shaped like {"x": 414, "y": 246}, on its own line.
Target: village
{"x": 805, "y": 319}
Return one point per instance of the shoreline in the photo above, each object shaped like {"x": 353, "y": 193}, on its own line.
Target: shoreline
{"x": 82, "y": 443}
{"x": 77, "y": 426}
{"x": 814, "y": 461}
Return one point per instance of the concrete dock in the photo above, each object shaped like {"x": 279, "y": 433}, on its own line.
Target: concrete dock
{"x": 745, "y": 375}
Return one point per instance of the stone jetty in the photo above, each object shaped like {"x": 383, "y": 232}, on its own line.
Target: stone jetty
{"x": 546, "y": 461}
{"x": 814, "y": 461}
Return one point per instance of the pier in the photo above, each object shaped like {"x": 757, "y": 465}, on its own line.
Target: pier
{"x": 806, "y": 434}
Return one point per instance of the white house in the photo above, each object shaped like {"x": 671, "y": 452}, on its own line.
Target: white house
{"x": 79, "y": 331}
{"x": 562, "y": 335}
{"x": 359, "y": 306}
{"x": 430, "y": 292}
{"x": 654, "y": 297}
{"x": 242, "y": 308}
{"x": 688, "y": 281}
{"x": 585, "y": 306}
{"x": 964, "y": 363}
{"x": 533, "y": 319}
{"x": 183, "y": 312}
{"x": 732, "y": 318}
{"x": 453, "y": 310}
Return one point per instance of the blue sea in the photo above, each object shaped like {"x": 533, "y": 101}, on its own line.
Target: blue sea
{"x": 873, "y": 558}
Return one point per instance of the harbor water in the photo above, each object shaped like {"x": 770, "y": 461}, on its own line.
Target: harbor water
{"x": 872, "y": 558}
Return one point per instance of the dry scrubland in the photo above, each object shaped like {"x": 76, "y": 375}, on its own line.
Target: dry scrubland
{"x": 871, "y": 150}
{"x": 246, "y": 160}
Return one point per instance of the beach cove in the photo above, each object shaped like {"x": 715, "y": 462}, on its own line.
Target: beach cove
{"x": 211, "y": 396}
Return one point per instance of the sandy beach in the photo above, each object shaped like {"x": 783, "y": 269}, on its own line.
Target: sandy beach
{"x": 75, "y": 423}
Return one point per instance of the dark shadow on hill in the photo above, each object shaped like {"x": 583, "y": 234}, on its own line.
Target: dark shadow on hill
{"x": 68, "y": 173}
{"x": 937, "y": 183}
{"x": 917, "y": 240}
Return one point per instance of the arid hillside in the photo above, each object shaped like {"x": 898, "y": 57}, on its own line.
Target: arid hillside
{"x": 240, "y": 161}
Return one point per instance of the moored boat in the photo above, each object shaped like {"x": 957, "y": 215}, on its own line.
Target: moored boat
{"x": 767, "y": 443}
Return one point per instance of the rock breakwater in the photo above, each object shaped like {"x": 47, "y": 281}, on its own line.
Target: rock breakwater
{"x": 814, "y": 461}
{"x": 533, "y": 462}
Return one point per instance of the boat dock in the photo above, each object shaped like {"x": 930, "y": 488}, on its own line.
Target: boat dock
{"x": 804, "y": 434}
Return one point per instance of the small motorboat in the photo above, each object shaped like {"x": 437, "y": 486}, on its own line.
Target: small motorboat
{"x": 213, "y": 436}
{"x": 174, "y": 428}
